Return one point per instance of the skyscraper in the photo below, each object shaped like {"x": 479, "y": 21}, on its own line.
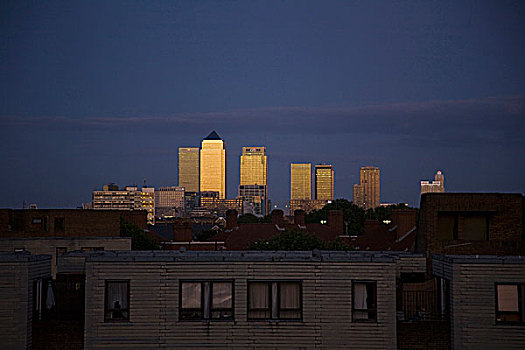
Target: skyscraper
{"x": 253, "y": 187}
{"x": 324, "y": 182}
{"x": 213, "y": 165}
{"x": 301, "y": 181}
{"x": 366, "y": 194}
{"x": 436, "y": 186}
{"x": 189, "y": 165}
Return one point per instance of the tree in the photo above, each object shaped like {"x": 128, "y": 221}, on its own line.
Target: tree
{"x": 289, "y": 240}
{"x": 139, "y": 239}
{"x": 353, "y": 216}
{"x": 248, "y": 219}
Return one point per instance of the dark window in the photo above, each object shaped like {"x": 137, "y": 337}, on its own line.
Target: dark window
{"x": 364, "y": 303}
{"x": 59, "y": 225}
{"x": 469, "y": 226}
{"x": 117, "y": 301}
{"x": 37, "y": 221}
{"x": 274, "y": 300}
{"x": 204, "y": 300}
{"x": 510, "y": 303}
{"x": 91, "y": 249}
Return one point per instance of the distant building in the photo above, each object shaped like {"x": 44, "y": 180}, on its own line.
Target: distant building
{"x": 220, "y": 206}
{"x": 307, "y": 205}
{"x": 254, "y": 197}
{"x": 213, "y": 165}
{"x": 301, "y": 181}
{"x": 324, "y": 182}
{"x": 189, "y": 168}
{"x": 129, "y": 198}
{"x": 253, "y": 172}
{"x": 366, "y": 193}
{"x": 436, "y": 186}
{"x": 169, "y": 201}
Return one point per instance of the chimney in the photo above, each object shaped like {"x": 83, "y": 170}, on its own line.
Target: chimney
{"x": 299, "y": 217}
{"x": 277, "y": 217}
{"x": 405, "y": 219}
{"x": 336, "y": 221}
{"x": 182, "y": 230}
{"x": 231, "y": 219}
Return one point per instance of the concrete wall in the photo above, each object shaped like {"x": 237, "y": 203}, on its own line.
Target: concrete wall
{"x": 473, "y": 300}
{"x": 18, "y": 271}
{"x": 326, "y": 289}
{"x": 48, "y": 245}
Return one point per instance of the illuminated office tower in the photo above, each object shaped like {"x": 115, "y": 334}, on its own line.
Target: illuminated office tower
{"x": 213, "y": 165}
{"x": 301, "y": 181}
{"x": 324, "y": 182}
{"x": 189, "y": 168}
{"x": 366, "y": 194}
{"x": 436, "y": 186}
{"x": 253, "y": 187}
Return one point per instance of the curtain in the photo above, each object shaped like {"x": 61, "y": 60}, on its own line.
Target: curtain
{"x": 191, "y": 295}
{"x": 50, "y": 299}
{"x": 290, "y": 295}
{"x": 117, "y": 292}
{"x": 259, "y": 295}
{"x": 222, "y": 295}
{"x": 360, "y": 301}
{"x": 508, "y": 297}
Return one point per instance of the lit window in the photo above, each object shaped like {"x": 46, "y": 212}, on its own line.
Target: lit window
{"x": 204, "y": 300}
{"x": 364, "y": 307}
{"x": 117, "y": 301}
{"x": 509, "y": 302}
{"x": 274, "y": 300}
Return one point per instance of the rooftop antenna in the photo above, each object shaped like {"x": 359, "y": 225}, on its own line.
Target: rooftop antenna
{"x": 23, "y": 204}
{"x": 145, "y": 182}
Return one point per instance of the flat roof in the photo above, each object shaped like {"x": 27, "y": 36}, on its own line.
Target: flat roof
{"x": 63, "y": 238}
{"x": 481, "y": 259}
{"x": 248, "y": 255}
{"x": 22, "y": 256}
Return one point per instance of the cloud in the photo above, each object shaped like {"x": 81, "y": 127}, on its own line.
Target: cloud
{"x": 450, "y": 122}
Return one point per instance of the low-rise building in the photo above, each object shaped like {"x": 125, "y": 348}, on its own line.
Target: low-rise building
{"x": 485, "y": 298}
{"x": 23, "y": 296}
{"x": 128, "y": 198}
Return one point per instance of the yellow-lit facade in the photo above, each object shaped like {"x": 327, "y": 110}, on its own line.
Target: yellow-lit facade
{"x": 301, "y": 181}
{"x": 130, "y": 198}
{"x": 213, "y": 165}
{"x": 366, "y": 194}
{"x": 189, "y": 165}
{"x": 254, "y": 166}
{"x": 324, "y": 182}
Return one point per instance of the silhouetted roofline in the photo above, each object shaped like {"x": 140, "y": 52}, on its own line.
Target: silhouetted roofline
{"x": 213, "y": 136}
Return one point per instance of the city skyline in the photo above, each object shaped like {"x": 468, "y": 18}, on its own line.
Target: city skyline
{"x": 107, "y": 91}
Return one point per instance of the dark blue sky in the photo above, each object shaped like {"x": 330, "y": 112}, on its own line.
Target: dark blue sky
{"x": 96, "y": 92}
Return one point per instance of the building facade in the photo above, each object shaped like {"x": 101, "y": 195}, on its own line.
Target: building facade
{"x": 189, "y": 168}
{"x": 213, "y": 165}
{"x": 301, "y": 181}
{"x": 254, "y": 180}
{"x": 129, "y": 198}
{"x": 255, "y": 197}
{"x": 324, "y": 182}
{"x": 436, "y": 186}
{"x": 169, "y": 201}
{"x": 366, "y": 193}
{"x": 301, "y": 300}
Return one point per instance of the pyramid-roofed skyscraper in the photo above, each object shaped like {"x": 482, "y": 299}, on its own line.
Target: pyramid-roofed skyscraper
{"x": 213, "y": 165}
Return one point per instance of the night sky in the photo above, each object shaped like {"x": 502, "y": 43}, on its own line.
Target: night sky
{"x": 93, "y": 92}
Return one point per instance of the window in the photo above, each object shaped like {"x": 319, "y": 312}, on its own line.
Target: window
{"x": 364, "y": 304}
{"x": 92, "y": 249}
{"x": 59, "y": 225}
{"x": 509, "y": 302}
{"x": 117, "y": 301}
{"x": 470, "y": 226}
{"x": 274, "y": 300}
{"x": 204, "y": 300}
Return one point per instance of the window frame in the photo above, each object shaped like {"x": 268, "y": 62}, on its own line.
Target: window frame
{"x": 374, "y": 310}
{"x": 207, "y": 315}
{"x": 277, "y": 300}
{"x": 108, "y": 311}
{"x": 521, "y": 304}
